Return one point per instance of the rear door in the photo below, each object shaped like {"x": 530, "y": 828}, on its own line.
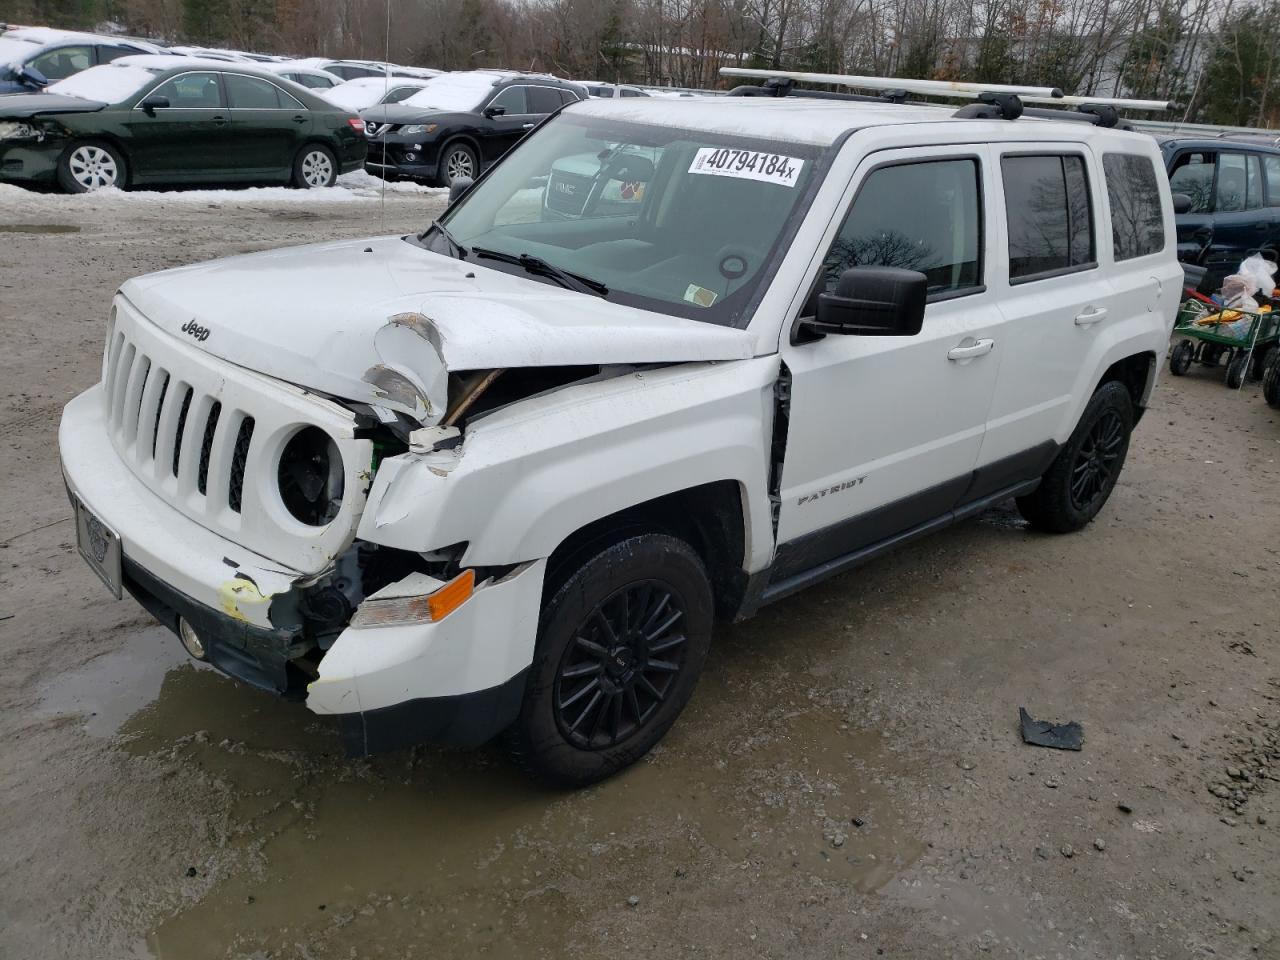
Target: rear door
{"x": 1271, "y": 174}
{"x": 1054, "y": 297}
{"x": 1193, "y": 172}
{"x": 883, "y": 432}
{"x": 268, "y": 125}
{"x": 188, "y": 140}
{"x": 1241, "y": 220}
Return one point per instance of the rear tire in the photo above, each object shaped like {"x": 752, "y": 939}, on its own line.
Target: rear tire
{"x": 90, "y": 165}
{"x": 1180, "y": 358}
{"x": 1083, "y": 474}
{"x": 315, "y": 166}
{"x": 621, "y": 643}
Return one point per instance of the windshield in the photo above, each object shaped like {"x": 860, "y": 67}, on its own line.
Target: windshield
{"x": 678, "y": 221}
{"x": 109, "y": 83}
{"x": 457, "y": 92}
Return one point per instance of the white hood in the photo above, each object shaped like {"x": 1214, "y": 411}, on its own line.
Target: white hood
{"x": 383, "y": 321}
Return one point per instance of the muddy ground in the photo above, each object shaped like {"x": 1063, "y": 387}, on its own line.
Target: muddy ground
{"x": 848, "y": 780}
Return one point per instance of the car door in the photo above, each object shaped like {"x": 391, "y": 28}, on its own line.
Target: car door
{"x": 186, "y": 141}
{"x": 883, "y": 432}
{"x": 1054, "y": 298}
{"x": 1241, "y": 222}
{"x": 268, "y": 125}
{"x": 1192, "y": 172}
{"x": 503, "y": 131}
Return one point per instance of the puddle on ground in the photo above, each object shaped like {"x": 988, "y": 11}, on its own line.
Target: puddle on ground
{"x": 436, "y": 852}
{"x": 39, "y": 228}
{"x": 111, "y": 688}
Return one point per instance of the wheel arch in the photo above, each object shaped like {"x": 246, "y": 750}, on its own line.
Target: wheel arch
{"x": 709, "y": 517}
{"x": 1137, "y": 373}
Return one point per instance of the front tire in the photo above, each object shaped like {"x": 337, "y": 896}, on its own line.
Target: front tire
{"x": 620, "y": 646}
{"x": 1083, "y": 474}
{"x": 457, "y": 161}
{"x": 314, "y": 167}
{"x": 91, "y": 165}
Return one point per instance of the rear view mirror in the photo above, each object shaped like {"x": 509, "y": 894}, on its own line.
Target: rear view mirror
{"x": 869, "y": 302}
{"x": 634, "y": 169}
{"x": 153, "y": 103}
{"x": 459, "y": 186}
{"x": 1182, "y": 203}
{"x": 492, "y": 112}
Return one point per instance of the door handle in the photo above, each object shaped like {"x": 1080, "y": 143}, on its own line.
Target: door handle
{"x": 1090, "y": 316}
{"x": 299, "y": 119}
{"x": 967, "y": 351}
{"x": 528, "y": 126}
{"x": 219, "y": 121}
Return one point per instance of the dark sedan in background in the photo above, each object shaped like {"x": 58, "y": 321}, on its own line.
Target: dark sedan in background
{"x": 460, "y": 123}
{"x": 175, "y": 120}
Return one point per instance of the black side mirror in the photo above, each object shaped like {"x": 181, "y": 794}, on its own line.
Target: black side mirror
{"x": 492, "y": 112}
{"x": 458, "y": 188}
{"x": 1182, "y": 203}
{"x": 153, "y": 103}
{"x": 869, "y": 302}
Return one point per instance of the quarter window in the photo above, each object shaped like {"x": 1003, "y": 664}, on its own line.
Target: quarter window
{"x": 1046, "y": 201}
{"x": 919, "y": 216}
{"x": 1272, "y": 165}
{"x": 1133, "y": 194}
{"x": 544, "y": 100}
{"x": 191, "y": 91}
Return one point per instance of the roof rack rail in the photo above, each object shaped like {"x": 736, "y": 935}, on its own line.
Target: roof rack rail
{"x": 786, "y": 87}
{"x": 933, "y": 88}
{"x": 1119, "y": 103}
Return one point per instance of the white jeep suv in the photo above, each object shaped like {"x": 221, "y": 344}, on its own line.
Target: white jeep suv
{"x": 503, "y": 475}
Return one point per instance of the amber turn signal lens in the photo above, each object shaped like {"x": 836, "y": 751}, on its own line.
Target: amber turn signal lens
{"x": 425, "y": 608}
{"x": 452, "y": 595}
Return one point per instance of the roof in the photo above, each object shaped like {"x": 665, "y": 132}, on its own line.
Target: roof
{"x": 46, "y": 35}
{"x": 797, "y": 119}
{"x": 176, "y": 61}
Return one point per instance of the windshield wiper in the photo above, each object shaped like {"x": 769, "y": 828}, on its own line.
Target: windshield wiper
{"x": 536, "y": 265}
{"x": 459, "y": 250}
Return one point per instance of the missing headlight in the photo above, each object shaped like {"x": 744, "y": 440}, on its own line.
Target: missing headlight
{"x": 311, "y": 477}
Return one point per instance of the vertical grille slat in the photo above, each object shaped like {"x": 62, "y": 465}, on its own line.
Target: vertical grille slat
{"x": 206, "y": 448}
{"x": 120, "y": 385}
{"x": 155, "y": 426}
{"x": 239, "y": 458}
{"x": 133, "y": 397}
{"x": 181, "y": 428}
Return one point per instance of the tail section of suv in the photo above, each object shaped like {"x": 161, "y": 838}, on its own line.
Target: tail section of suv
{"x": 760, "y": 342}
{"x": 1234, "y": 188}
{"x": 460, "y": 124}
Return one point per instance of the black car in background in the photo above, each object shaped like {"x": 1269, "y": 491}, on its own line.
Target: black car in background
{"x": 175, "y": 120}
{"x": 31, "y": 57}
{"x": 460, "y": 123}
{"x": 1234, "y": 186}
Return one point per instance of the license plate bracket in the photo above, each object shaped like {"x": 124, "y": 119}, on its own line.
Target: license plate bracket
{"x": 100, "y": 547}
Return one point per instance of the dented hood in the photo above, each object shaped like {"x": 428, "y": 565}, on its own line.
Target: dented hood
{"x": 383, "y": 321}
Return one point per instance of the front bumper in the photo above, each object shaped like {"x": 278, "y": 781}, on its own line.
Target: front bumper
{"x": 459, "y": 680}
{"x": 29, "y": 161}
{"x": 391, "y": 159}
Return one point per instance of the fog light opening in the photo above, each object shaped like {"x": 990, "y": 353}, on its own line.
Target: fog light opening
{"x": 191, "y": 640}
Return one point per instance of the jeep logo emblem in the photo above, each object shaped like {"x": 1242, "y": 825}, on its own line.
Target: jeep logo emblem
{"x": 197, "y": 332}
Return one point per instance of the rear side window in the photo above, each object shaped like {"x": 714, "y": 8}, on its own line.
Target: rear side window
{"x": 919, "y": 216}
{"x": 1050, "y": 216}
{"x": 310, "y": 80}
{"x": 1239, "y": 182}
{"x": 1133, "y": 194}
{"x": 251, "y": 93}
{"x": 544, "y": 100}
{"x": 1192, "y": 174}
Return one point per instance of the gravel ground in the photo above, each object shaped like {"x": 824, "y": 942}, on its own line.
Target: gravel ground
{"x": 847, "y": 782}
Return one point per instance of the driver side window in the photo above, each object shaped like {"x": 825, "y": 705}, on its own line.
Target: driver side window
{"x": 191, "y": 91}
{"x": 512, "y": 100}
{"x": 920, "y": 216}
{"x": 62, "y": 62}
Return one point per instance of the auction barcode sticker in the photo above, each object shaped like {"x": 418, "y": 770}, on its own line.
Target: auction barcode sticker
{"x": 747, "y": 165}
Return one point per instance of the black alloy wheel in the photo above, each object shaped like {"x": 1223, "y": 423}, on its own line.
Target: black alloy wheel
{"x": 1098, "y": 460}
{"x": 624, "y": 659}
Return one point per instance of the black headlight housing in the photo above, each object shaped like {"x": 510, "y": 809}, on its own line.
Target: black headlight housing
{"x": 311, "y": 477}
